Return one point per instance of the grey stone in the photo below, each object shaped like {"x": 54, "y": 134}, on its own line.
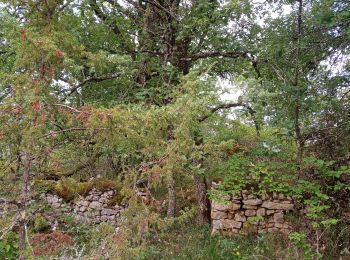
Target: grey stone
{"x": 56, "y": 205}
{"x": 250, "y": 212}
{"x": 218, "y": 215}
{"x": 240, "y": 217}
{"x": 95, "y": 205}
{"x": 218, "y": 224}
{"x": 270, "y": 212}
{"x": 252, "y": 202}
{"x": 278, "y": 217}
{"x": 261, "y": 212}
{"x": 249, "y": 207}
{"x": 275, "y": 205}
{"x": 108, "y": 212}
{"x": 230, "y": 223}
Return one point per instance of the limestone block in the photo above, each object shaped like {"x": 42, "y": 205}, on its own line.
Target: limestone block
{"x": 225, "y": 207}
{"x": 275, "y": 205}
{"x": 251, "y": 196}
{"x": 230, "y": 224}
{"x": 95, "y": 205}
{"x": 252, "y": 202}
{"x": 250, "y": 207}
{"x": 104, "y": 218}
{"x": 270, "y": 212}
{"x": 108, "y": 212}
{"x": 261, "y": 212}
{"x": 218, "y": 224}
{"x": 240, "y": 217}
{"x": 278, "y": 217}
{"x": 250, "y": 212}
{"x": 56, "y": 205}
{"x": 84, "y": 203}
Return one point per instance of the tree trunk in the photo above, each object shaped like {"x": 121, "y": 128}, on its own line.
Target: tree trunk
{"x": 171, "y": 197}
{"x": 202, "y": 200}
{"x": 23, "y": 206}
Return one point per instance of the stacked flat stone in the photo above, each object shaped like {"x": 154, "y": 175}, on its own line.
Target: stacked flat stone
{"x": 245, "y": 213}
{"x": 94, "y": 208}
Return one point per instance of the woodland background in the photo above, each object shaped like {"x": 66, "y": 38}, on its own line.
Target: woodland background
{"x": 107, "y": 93}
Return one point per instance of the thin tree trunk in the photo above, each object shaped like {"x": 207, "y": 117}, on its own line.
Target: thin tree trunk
{"x": 202, "y": 200}
{"x": 24, "y": 202}
{"x": 171, "y": 197}
{"x": 297, "y": 128}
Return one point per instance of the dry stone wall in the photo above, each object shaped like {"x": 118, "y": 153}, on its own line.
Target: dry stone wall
{"x": 93, "y": 208}
{"x": 246, "y": 213}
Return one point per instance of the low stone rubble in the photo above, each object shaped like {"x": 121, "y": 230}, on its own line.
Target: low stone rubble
{"x": 245, "y": 213}
{"x": 93, "y": 208}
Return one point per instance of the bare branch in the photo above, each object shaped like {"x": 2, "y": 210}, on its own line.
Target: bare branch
{"x": 213, "y": 54}
{"x": 51, "y": 133}
{"x": 88, "y": 80}
{"x": 251, "y": 111}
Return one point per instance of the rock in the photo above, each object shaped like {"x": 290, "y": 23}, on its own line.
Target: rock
{"x": 237, "y": 197}
{"x": 95, "y": 205}
{"x": 56, "y": 205}
{"x": 251, "y": 196}
{"x": 252, "y": 202}
{"x": 272, "y": 230}
{"x": 270, "y": 212}
{"x": 104, "y": 218}
{"x": 230, "y": 224}
{"x": 218, "y": 215}
{"x": 249, "y": 207}
{"x": 240, "y": 217}
{"x": 52, "y": 199}
{"x": 275, "y": 205}
{"x": 110, "y": 193}
{"x": 250, "y": 212}
{"x": 218, "y": 224}
{"x": 269, "y": 225}
{"x": 82, "y": 208}
{"x": 84, "y": 203}
{"x": 103, "y": 200}
{"x": 235, "y": 206}
{"x": 278, "y": 217}
{"x": 261, "y": 212}
{"x": 108, "y": 212}
{"x": 225, "y": 207}
{"x": 111, "y": 217}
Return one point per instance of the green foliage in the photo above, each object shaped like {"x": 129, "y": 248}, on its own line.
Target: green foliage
{"x": 41, "y": 224}
{"x": 69, "y": 188}
{"x": 9, "y": 247}
{"x": 300, "y": 241}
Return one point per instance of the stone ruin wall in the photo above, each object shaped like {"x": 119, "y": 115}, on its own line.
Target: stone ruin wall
{"x": 243, "y": 213}
{"x": 246, "y": 213}
{"x": 93, "y": 208}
